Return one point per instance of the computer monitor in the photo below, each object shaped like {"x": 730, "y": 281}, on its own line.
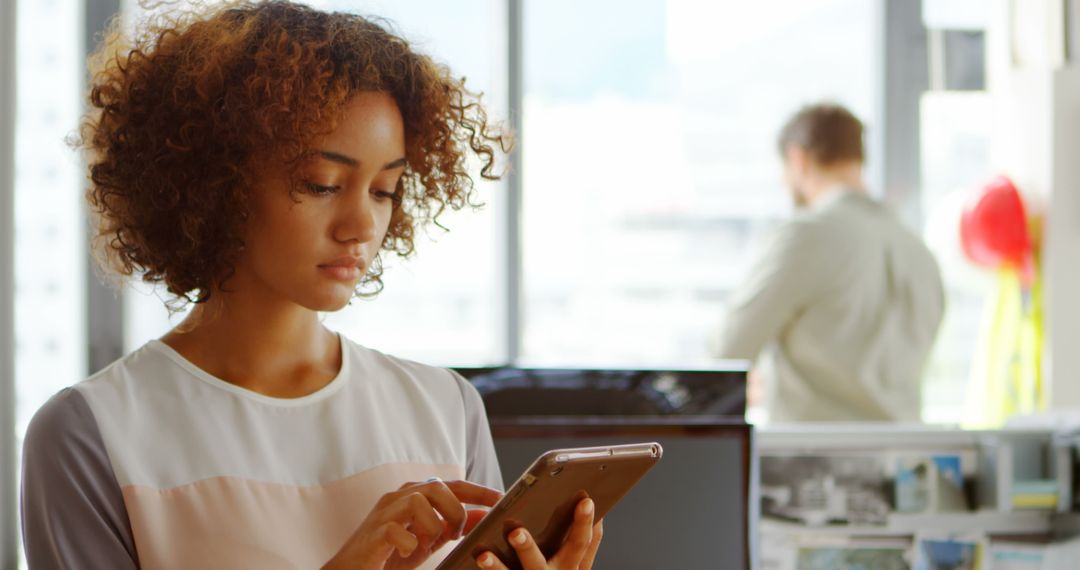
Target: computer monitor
{"x": 515, "y": 392}
{"x": 690, "y": 511}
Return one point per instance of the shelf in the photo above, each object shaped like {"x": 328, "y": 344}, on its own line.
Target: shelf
{"x": 890, "y": 437}
{"x": 899, "y": 524}
{"x": 1067, "y": 525}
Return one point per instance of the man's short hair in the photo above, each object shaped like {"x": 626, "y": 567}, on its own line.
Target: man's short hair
{"x": 828, "y": 132}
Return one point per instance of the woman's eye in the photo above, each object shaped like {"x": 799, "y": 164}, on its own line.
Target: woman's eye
{"x": 320, "y": 189}
{"x": 381, "y": 195}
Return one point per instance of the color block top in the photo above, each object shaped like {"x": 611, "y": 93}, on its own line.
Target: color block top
{"x": 154, "y": 463}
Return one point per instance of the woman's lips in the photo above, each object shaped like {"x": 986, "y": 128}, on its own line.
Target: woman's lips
{"x": 343, "y": 269}
{"x": 341, "y": 272}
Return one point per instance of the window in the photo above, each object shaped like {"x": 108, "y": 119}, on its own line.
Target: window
{"x": 50, "y": 254}
{"x": 443, "y": 306}
{"x": 956, "y": 127}
{"x": 649, "y": 159}
{"x": 955, "y": 159}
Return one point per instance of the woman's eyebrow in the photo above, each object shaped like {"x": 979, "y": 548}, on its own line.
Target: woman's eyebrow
{"x": 350, "y": 161}
{"x": 399, "y": 163}
{"x": 336, "y": 157}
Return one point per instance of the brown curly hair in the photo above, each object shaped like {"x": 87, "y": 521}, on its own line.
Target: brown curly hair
{"x": 182, "y": 111}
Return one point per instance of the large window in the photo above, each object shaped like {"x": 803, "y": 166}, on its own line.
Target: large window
{"x": 50, "y": 343}
{"x": 648, "y": 164}
{"x": 955, "y": 124}
{"x": 444, "y": 305}
{"x": 955, "y": 158}
{"x": 649, "y": 159}
{"x": 50, "y": 249}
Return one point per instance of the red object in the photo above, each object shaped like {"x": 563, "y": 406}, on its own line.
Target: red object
{"x": 994, "y": 230}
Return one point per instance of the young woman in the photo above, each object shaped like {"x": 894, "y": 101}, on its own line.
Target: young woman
{"x": 256, "y": 159}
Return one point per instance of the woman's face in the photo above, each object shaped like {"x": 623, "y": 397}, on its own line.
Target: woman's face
{"x": 312, "y": 245}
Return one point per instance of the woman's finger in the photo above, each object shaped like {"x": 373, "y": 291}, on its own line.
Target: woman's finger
{"x": 594, "y": 546}
{"x": 443, "y": 499}
{"x": 473, "y": 518}
{"x": 489, "y": 561}
{"x": 528, "y": 552}
{"x": 415, "y": 513}
{"x": 386, "y": 539}
{"x": 449, "y": 499}
{"x": 578, "y": 538}
{"x": 473, "y": 494}
{"x": 403, "y": 541}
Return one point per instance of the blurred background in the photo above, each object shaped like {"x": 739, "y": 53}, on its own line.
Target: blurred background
{"x": 645, "y": 173}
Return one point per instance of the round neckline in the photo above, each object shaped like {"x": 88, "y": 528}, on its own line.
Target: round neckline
{"x": 326, "y": 391}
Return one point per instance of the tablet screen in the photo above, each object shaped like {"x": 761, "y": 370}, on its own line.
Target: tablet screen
{"x": 690, "y": 512}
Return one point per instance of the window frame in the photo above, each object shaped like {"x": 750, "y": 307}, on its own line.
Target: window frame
{"x": 9, "y": 548}
{"x": 104, "y": 305}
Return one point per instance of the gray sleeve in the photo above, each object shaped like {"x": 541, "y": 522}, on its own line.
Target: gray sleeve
{"x": 73, "y": 513}
{"x": 780, "y": 283}
{"x": 483, "y": 465}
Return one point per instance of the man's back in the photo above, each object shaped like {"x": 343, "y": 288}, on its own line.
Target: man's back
{"x": 847, "y": 303}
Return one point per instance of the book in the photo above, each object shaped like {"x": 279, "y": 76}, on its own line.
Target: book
{"x": 950, "y": 552}
{"x": 1040, "y": 494}
{"x": 929, "y": 484}
{"x": 1004, "y": 556}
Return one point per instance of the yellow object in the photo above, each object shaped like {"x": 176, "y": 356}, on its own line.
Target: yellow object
{"x": 1034, "y": 501}
{"x": 1006, "y": 374}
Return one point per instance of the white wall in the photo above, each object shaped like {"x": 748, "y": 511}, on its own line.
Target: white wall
{"x": 1062, "y": 262}
{"x": 1037, "y": 143}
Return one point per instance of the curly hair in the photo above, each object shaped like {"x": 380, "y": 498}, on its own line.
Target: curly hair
{"x": 181, "y": 112}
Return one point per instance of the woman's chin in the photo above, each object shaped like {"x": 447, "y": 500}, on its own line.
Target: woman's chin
{"x": 329, "y": 302}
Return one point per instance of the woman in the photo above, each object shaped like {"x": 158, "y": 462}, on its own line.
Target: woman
{"x": 256, "y": 159}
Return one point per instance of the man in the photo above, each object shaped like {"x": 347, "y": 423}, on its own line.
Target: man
{"x": 846, "y": 301}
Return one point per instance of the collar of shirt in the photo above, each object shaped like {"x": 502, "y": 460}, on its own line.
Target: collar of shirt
{"x": 834, "y": 194}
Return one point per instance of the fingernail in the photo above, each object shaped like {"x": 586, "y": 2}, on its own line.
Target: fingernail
{"x": 586, "y": 507}
{"x": 487, "y": 561}
{"x": 518, "y": 538}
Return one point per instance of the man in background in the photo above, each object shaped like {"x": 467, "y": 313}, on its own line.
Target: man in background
{"x": 846, "y": 302}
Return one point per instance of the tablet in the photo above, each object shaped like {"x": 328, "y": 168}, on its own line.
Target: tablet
{"x": 544, "y": 497}
{"x": 693, "y": 504}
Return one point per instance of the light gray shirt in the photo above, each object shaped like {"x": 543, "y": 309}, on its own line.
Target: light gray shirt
{"x": 844, "y": 304}
{"x": 155, "y": 463}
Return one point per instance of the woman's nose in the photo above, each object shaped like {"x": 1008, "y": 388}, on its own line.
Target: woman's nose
{"x": 355, "y": 219}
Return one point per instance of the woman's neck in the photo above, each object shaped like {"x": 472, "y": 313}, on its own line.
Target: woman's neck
{"x": 279, "y": 350}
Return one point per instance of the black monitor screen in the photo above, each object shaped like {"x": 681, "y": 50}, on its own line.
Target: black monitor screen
{"x": 514, "y": 392}
{"x": 690, "y": 511}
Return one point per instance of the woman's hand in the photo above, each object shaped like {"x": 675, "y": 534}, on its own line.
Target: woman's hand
{"x": 408, "y": 525}
{"x": 576, "y": 553}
